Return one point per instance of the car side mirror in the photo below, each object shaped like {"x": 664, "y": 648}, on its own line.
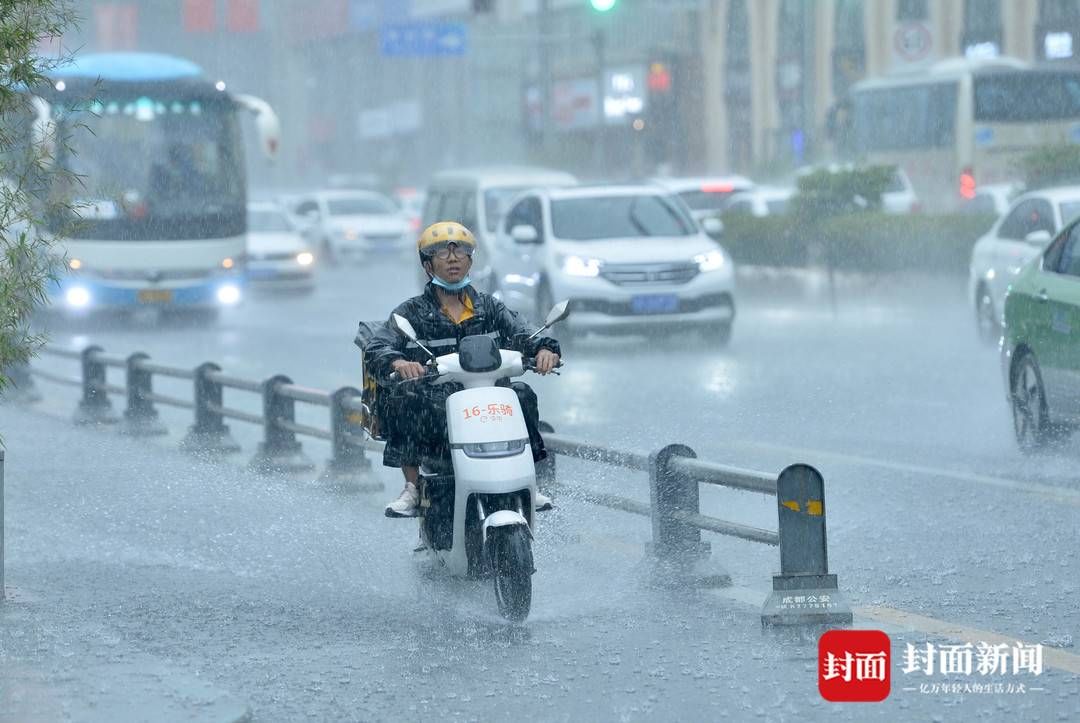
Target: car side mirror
{"x": 404, "y": 326}
{"x": 1038, "y": 238}
{"x": 524, "y": 234}
{"x": 713, "y": 226}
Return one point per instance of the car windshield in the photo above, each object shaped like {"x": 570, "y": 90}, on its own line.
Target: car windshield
{"x": 360, "y": 206}
{"x": 1070, "y": 210}
{"x": 600, "y": 217}
{"x": 707, "y": 199}
{"x": 268, "y": 221}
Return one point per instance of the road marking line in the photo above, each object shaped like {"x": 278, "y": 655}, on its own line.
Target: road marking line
{"x": 898, "y": 619}
{"x": 1061, "y": 494}
{"x": 1052, "y": 657}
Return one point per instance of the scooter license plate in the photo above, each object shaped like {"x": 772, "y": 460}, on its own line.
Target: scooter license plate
{"x": 654, "y": 304}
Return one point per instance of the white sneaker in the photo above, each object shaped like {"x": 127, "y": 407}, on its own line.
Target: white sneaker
{"x": 406, "y": 503}
{"x": 542, "y": 502}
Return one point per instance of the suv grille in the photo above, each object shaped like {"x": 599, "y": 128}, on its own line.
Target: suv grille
{"x": 641, "y": 274}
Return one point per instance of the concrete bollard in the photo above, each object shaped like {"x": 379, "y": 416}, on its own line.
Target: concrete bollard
{"x": 94, "y": 407}
{"x": 349, "y": 467}
{"x": 21, "y": 388}
{"x": 140, "y": 417}
{"x": 804, "y": 593}
{"x": 279, "y": 452}
{"x": 209, "y": 435}
{"x": 679, "y": 554}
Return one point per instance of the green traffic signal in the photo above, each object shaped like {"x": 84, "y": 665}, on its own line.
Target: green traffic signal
{"x": 602, "y": 6}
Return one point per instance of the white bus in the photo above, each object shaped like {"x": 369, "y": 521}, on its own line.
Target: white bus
{"x": 162, "y": 202}
{"x": 962, "y": 123}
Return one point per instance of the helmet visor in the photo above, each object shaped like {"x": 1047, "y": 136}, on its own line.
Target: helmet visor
{"x": 442, "y": 250}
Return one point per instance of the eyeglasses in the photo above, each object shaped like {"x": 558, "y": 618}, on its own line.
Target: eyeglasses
{"x": 442, "y": 251}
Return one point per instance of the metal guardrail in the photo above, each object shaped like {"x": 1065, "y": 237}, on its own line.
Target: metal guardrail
{"x": 804, "y": 592}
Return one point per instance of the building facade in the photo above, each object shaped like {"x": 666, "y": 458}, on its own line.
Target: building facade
{"x": 403, "y": 88}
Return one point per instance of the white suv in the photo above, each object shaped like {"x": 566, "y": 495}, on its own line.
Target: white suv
{"x": 1017, "y": 237}
{"x": 627, "y": 257}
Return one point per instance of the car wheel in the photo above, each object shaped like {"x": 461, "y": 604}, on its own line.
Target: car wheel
{"x": 1031, "y": 419}
{"x": 986, "y": 320}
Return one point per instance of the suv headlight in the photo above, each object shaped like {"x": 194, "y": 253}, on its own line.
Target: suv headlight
{"x": 710, "y": 261}
{"x": 579, "y": 266}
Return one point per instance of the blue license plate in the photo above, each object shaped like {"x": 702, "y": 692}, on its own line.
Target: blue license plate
{"x": 654, "y": 304}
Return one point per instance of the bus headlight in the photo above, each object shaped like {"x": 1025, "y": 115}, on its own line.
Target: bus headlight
{"x": 77, "y": 297}
{"x": 75, "y": 264}
{"x": 228, "y": 294}
{"x": 305, "y": 258}
{"x": 227, "y": 263}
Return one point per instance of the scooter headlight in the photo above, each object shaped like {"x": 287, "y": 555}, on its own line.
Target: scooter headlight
{"x": 488, "y": 450}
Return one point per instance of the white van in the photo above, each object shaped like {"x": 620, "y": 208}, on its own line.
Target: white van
{"x": 478, "y": 198}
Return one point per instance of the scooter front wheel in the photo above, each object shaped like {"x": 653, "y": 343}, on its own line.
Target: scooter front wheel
{"x": 512, "y": 562}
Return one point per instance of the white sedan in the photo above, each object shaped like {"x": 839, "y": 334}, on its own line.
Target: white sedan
{"x": 1016, "y": 238}
{"x": 278, "y": 257}
{"x": 356, "y": 224}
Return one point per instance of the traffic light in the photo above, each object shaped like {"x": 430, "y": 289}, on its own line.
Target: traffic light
{"x": 602, "y": 6}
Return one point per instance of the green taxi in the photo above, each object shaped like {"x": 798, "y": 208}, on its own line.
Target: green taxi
{"x": 1040, "y": 350}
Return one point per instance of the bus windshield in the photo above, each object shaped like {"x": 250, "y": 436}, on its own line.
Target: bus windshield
{"x": 155, "y": 161}
{"x": 1027, "y": 97}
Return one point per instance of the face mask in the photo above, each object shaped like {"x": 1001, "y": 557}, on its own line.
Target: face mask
{"x": 457, "y": 286}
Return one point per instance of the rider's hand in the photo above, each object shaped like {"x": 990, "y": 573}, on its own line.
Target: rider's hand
{"x": 408, "y": 369}
{"x": 546, "y": 360}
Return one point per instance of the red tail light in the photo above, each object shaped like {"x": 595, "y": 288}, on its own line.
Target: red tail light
{"x": 967, "y": 184}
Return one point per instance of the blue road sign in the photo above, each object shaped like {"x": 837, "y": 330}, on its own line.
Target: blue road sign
{"x": 404, "y": 40}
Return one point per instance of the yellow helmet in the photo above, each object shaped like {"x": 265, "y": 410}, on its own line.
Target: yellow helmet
{"x": 442, "y": 232}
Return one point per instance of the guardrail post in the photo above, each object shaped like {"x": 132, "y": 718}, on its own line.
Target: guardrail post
{"x": 349, "y": 465}
{"x": 545, "y": 468}
{"x": 21, "y": 388}
{"x": 804, "y": 593}
{"x": 209, "y": 434}
{"x": 279, "y": 452}
{"x": 94, "y": 407}
{"x": 681, "y": 556}
{"x": 140, "y": 417}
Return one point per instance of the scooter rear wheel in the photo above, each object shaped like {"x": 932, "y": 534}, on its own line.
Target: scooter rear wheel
{"x": 513, "y": 566}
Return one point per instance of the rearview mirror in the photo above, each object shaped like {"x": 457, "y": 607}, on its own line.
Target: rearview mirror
{"x": 1038, "y": 238}
{"x": 523, "y": 234}
{"x": 267, "y": 124}
{"x": 558, "y": 312}
{"x": 404, "y": 326}
{"x": 713, "y": 226}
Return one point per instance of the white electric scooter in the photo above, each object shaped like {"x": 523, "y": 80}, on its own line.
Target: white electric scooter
{"x": 476, "y": 506}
